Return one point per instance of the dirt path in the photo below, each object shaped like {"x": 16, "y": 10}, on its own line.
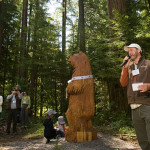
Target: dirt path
{"x": 104, "y": 142}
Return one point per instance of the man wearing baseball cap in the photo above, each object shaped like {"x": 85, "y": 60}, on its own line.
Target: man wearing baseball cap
{"x": 135, "y": 75}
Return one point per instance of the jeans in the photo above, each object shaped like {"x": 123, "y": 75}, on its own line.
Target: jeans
{"x": 141, "y": 122}
{"x": 62, "y": 134}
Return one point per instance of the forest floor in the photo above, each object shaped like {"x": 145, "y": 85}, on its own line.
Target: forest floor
{"x": 21, "y": 141}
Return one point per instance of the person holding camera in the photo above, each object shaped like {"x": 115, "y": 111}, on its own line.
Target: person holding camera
{"x": 13, "y": 104}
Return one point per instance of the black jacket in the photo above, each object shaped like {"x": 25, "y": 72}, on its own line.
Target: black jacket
{"x": 49, "y": 131}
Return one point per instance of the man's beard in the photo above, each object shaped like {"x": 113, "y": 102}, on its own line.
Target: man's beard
{"x": 134, "y": 57}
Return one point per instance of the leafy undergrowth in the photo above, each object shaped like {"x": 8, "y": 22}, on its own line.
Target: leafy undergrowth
{"x": 35, "y": 130}
{"x": 109, "y": 129}
{"x": 116, "y": 124}
{"x": 113, "y": 122}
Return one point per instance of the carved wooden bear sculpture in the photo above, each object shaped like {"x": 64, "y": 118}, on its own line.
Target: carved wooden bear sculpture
{"x": 81, "y": 101}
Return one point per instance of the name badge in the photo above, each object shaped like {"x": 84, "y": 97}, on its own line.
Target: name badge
{"x": 14, "y": 102}
{"x": 24, "y": 102}
{"x": 135, "y": 86}
{"x": 135, "y": 72}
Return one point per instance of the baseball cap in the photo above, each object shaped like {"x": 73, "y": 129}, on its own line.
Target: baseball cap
{"x": 60, "y": 120}
{"x": 50, "y": 112}
{"x": 132, "y": 45}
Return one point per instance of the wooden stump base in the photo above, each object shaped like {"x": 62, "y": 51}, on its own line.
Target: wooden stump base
{"x": 81, "y": 136}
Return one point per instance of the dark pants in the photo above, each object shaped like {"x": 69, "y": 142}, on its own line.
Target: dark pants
{"x": 24, "y": 111}
{"x": 12, "y": 116}
{"x": 60, "y": 133}
{"x": 141, "y": 121}
{"x": 19, "y": 116}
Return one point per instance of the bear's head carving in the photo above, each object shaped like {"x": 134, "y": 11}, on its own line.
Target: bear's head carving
{"x": 80, "y": 64}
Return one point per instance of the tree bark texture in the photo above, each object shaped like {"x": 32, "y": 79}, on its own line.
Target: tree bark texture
{"x": 1, "y": 27}
{"x": 115, "y": 4}
{"x": 149, "y": 3}
{"x": 64, "y": 26}
{"x": 117, "y": 97}
{"x": 41, "y": 105}
{"x": 34, "y": 75}
{"x": 23, "y": 51}
{"x": 81, "y": 26}
{"x": 63, "y": 57}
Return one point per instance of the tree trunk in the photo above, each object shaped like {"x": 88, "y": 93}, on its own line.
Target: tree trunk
{"x": 64, "y": 26}
{"x": 29, "y": 30}
{"x": 1, "y": 48}
{"x": 35, "y": 100}
{"x": 23, "y": 51}
{"x": 41, "y": 106}
{"x": 4, "y": 73}
{"x": 149, "y": 3}
{"x": 117, "y": 97}
{"x": 81, "y": 26}
{"x": 115, "y": 4}
{"x": 63, "y": 57}
{"x": 32, "y": 90}
{"x": 1, "y": 28}
{"x": 55, "y": 96}
{"x": 115, "y": 91}
{"x": 35, "y": 57}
